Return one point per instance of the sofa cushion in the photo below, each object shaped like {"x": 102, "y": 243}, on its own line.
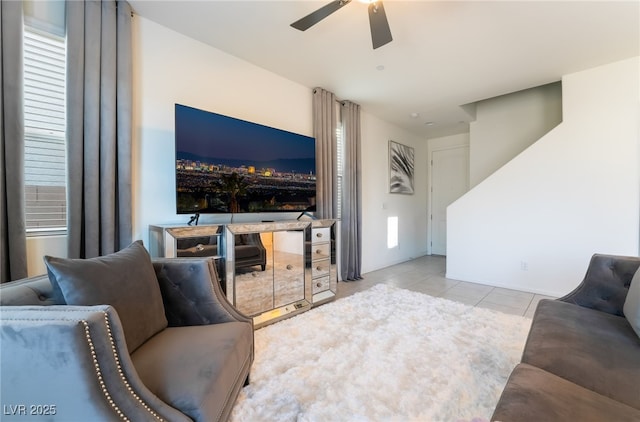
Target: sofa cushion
{"x": 606, "y": 283}
{"x": 594, "y": 349}
{"x": 125, "y": 280}
{"x": 191, "y": 368}
{"x": 35, "y": 290}
{"x": 632, "y": 303}
{"x": 534, "y": 395}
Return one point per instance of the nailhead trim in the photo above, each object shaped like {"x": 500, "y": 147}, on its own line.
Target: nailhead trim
{"x": 103, "y": 387}
{"x": 96, "y": 366}
{"x": 121, "y": 373}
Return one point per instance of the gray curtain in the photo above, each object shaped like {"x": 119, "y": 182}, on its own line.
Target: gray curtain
{"x": 99, "y": 107}
{"x": 324, "y": 130}
{"x": 13, "y": 242}
{"x": 351, "y": 220}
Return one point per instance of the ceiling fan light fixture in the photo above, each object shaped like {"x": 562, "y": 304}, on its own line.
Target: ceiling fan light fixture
{"x": 316, "y": 16}
{"x": 380, "y": 32}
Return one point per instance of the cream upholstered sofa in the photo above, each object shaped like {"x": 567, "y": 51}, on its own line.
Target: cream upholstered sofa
{"x": 122, "y": 338}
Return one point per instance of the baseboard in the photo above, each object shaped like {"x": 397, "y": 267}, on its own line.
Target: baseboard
{"x": 470, "y": 279}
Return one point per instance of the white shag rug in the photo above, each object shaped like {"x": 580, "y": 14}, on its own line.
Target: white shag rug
{"x": 384, "y": 354}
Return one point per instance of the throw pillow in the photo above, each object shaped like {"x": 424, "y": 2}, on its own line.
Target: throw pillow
{"x": 125, "y": 280}
{"x": 631, "y": 307}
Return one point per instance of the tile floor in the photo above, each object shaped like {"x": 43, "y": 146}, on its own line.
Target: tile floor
{"x": 427, "y": 275}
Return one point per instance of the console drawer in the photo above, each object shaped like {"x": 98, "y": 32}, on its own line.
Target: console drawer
{"x": 320, "y": 251}
{"x": 321, "y": 234}
{"x": 320, "y": 284}
{"x": 320, "y": 268}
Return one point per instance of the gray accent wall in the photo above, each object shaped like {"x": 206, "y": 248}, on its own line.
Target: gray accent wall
{"x": 507, "y": 125}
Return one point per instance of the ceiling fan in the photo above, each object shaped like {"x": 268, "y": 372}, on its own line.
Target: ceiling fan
{"x": 380, "y": 32}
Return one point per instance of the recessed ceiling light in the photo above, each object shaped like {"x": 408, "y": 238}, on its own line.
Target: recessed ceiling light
{"x": 429, "y": 123}
{"x": 380, "y": 67}
{"x": 414, "y": 115}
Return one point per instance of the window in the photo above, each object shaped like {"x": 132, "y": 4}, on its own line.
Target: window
{"x": 392, "y": 232}
{"x": 44, "y": 130}
{"x": 339, "y": 163}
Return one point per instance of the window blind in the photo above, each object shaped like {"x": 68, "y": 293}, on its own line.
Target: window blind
{"x": 339, "y": 163}
{"x": 44, "y": 128}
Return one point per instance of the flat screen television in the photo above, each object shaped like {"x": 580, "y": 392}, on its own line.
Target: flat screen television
{"x": 228, "y": 165}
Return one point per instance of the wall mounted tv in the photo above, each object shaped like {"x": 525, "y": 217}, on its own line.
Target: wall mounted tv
{"x": 228, "y": 165}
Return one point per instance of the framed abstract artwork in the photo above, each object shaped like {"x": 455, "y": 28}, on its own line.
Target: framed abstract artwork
{"x": 401, "y": 168}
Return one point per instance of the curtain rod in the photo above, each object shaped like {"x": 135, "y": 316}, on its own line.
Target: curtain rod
{"x": 341, "y": 102}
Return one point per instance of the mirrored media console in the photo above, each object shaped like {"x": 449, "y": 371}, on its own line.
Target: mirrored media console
{"x": 269, "y": 270}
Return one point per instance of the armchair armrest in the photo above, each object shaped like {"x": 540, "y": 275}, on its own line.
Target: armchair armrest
{"x": 71, "y": 363}
{"x": 606, "y": 283}
{"x": 192, "y": 294}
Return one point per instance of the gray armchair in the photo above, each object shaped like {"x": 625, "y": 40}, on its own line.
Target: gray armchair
{"x": 249, "y": 251}
{"x": 72, "y": 362}
{"x": 248, "y": 248}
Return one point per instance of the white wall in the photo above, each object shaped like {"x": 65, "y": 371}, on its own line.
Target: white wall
{"x": 534, "y": 224}
{"x": 170, "y": 68}
{"x": 507, "y": 125}
{"x": 378, "y": 204}
{"x": 38, "y": 247}
{"x": 451, "y": 141}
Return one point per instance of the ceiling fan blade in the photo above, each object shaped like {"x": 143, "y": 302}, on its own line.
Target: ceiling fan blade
{"x": 380, "y": 31}
{"x": 315, "y": 17}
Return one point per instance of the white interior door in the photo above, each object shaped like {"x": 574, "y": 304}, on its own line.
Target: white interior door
{"x": 449, "y": 181}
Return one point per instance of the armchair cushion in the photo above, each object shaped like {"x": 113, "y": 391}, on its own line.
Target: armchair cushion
{"x": 125, "y": 280}
{"x": 185, "y": 366}
{"x": 632, "y": 303}
{"x": 191, "y": 293}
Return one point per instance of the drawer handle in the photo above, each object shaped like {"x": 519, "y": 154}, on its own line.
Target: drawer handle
{"x": 318, "y": 284}
{"x": 319, "y": 268}
{"x": 318, "y": 234}
{"x": 318, "y": 251}
{"x": 289, "y": 267}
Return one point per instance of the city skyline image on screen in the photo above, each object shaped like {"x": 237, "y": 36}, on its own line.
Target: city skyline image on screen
{"x": 229, "y": 165}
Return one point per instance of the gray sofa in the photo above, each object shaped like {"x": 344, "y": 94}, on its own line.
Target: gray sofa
{"x": 581, "y": 361}
{"x": 78, "y": 363}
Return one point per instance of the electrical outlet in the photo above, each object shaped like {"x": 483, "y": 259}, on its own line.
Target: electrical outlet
{"x": 524, "y": 265}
